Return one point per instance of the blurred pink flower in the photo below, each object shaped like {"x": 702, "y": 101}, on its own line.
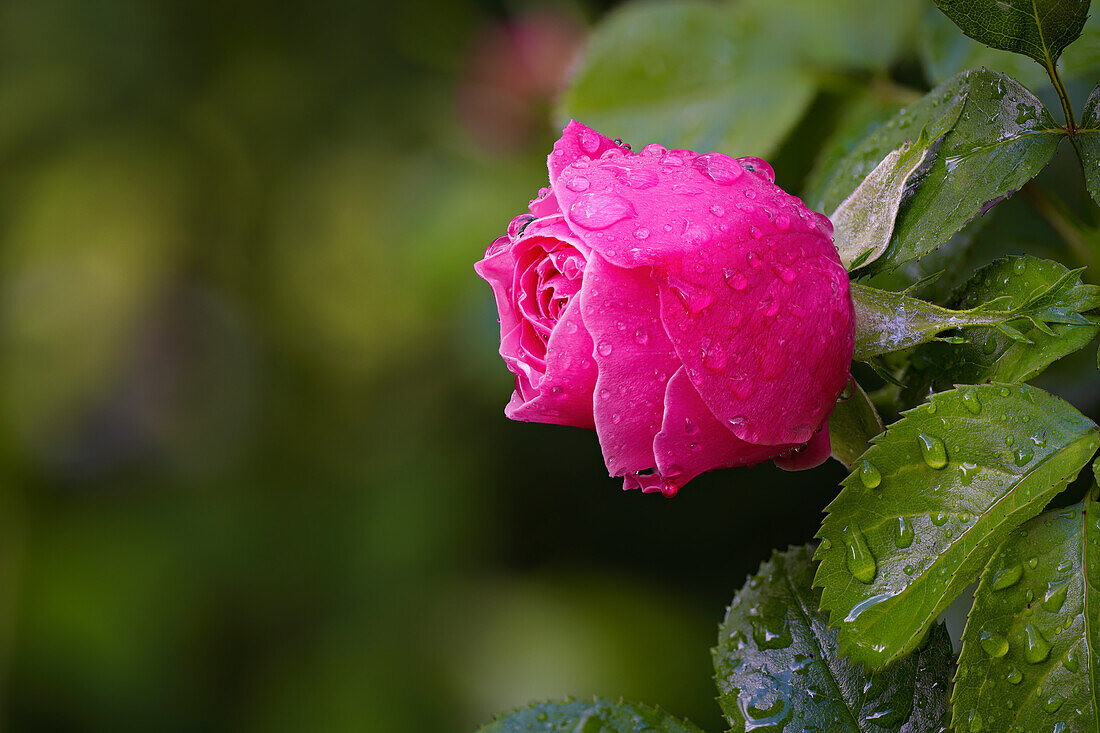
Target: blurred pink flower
{"x": 515, "y": 70}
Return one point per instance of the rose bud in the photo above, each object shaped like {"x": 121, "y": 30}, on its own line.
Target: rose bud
{"x": 682, "y": 305}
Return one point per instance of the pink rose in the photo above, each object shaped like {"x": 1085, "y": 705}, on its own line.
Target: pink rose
{"x": 682, "y": 305}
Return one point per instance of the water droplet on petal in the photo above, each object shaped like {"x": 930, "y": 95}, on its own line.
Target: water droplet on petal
{"x": 577, "y": 183}
{"x": 641, "y": 233}
{"x": 605, "y": 348}
{"x": 637, "y": 178}
{"x": 599, "y": 210}
{"x": 589, "y": 141}
{"x": 758, "y": 166}
{"x": 715, "y": 359}
{"x": 719, "y": 168}
{"x": 932, "y": 450}
{"x": 736, "y": 280}
{"x": 641, "y": 337}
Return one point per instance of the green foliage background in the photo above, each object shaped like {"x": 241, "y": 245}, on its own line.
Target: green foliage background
{"x": 256, "y": 474}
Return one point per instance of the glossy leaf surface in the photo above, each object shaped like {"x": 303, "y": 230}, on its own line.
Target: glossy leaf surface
{"x": 929, "y": 503}
{"x": 1045, "y": 294}
{"x": 995, "y": 135}
{"x": 1088, "y": 141}
{"x": 990, "y": 355}
{"x": 1029, "y": 657}
{"x": 1040, "y": 29}
{"x": 777, "y": 665}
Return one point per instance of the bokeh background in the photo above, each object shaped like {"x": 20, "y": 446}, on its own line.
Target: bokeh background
{"x": 256, "y": 475}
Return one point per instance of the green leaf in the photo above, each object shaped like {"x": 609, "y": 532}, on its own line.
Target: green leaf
{"x": 929, "y": 503}
{"x": 1088, "y": 143}
{"x": 777, "y": 664}
{"x": 945, "y": 52}
{"x": 588, "y": 716}
{"x": 692, "y": 75}
{"x": 995, "y": 135}
{"x": 1040, "y": 29}
{"x": 1030, "y": 649}
{"x": 853, "y": 424}
{"x": 864, "y": 221}
{"x": 989, "y": 355}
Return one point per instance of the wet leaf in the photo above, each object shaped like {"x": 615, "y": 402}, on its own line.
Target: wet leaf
{"x": 996, "y": 136}
{"x": 1029, "y": 656}
{"x": 945, "y": 52}
{"x": 853, "y": 424}
{"x": 927, "y": 506}
{"x": 1040, "y": 29}
{"x": 588, "y": 716}
{"x": 1088, "y": 142}
{"x": 887, "y": 321}
{"x": 864, "y": 221}
{"x": 990, "y": 355}
{"x": 777, "y": 664}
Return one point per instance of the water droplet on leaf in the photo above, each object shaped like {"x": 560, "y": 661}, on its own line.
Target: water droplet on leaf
{"x": 932, "y": 450}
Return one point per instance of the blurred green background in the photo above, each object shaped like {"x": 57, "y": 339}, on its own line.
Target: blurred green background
{"x": 256, "y": 471}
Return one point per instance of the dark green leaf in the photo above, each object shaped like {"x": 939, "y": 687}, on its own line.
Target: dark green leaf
{"x": 995, "y": 137}
{"x": 945, "y": 52}
{"x": 777, "y": 664}
{"x": 852, "y": 425}
{"x": 588, "y": 716}
{"x": 1040, "y": 29}
{"x": 930, "y": 502}
{"x": 989, "y": 355}
{"x": 1088, "y": 143}
{"x": 689, "y": 75}
{"x": 887, "y": 321}
{"x": 1030, "y": 649}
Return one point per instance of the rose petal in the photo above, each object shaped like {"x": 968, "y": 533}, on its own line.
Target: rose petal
{"x": 641, "y": 209}
{"x": 692, "y": 441}
{"x": 765, "y": 331}
{"x": 635, "y": 358}
{"x": 577, "y": 143}
{"x": 563, "y": 395}
{"x": 499, "y": 269}
{"x": 813, "y": 454}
